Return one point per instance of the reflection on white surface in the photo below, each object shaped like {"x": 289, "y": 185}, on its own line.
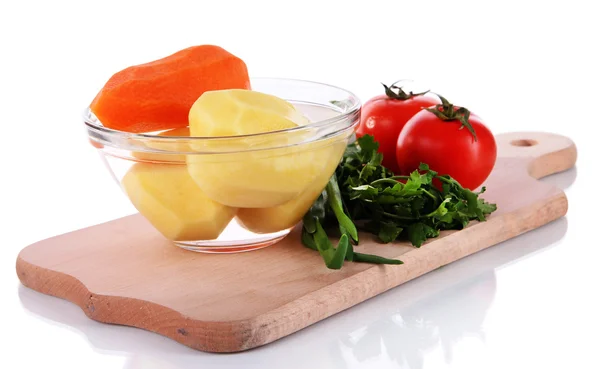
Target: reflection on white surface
{"x": 400, "y": 328}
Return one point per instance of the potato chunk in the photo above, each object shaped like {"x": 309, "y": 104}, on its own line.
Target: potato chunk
{"x": 166, "y": 195}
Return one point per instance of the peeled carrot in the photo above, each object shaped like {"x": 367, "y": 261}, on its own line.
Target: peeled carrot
{"x": 158, "y": 95}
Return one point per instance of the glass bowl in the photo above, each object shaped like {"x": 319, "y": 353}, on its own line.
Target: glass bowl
{"x": 234, "y": 193}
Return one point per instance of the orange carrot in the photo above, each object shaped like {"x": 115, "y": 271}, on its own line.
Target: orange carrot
{"x": 158, "y": 95}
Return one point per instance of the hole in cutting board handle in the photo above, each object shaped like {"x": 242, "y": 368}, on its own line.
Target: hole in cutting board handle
{"x": 524, "y": 143}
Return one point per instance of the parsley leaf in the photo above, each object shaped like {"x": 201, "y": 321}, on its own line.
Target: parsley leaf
{"x": 420, "y": 232}
{"x": 388, "y": 232}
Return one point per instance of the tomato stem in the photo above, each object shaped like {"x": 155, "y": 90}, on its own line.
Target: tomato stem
{"x": 448, "y": 112}
{"x": 400, "y": 94}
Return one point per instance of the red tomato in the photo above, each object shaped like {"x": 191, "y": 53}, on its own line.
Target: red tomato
{"x": 384, "y": 116}
{"x": 438, "y": 140}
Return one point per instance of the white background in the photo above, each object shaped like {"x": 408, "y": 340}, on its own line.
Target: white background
{"x": 520, "y": 65}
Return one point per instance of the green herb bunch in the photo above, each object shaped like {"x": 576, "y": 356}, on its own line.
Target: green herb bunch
{"x": 362, "y": 194}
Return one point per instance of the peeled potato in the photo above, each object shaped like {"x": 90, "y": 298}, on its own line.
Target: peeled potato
{"x": 241, "y": 112}
{"x": 284, "y": 216}
{"x": 251, "y": 177}
{"x": 166, "y": 195}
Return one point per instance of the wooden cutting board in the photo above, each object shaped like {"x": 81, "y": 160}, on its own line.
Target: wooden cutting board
{"x": 124, "y": 272}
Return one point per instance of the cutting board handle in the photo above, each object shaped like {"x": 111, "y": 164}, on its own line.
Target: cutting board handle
{"x": 545, "y": 153}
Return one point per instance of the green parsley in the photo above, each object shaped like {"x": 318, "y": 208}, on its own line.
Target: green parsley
{"x": 362, "y": 194}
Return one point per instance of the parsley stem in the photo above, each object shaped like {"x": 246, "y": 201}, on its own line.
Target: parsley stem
{"x": 334, "y": 199}
{"x": 385, "y": 180}
{"x": 443, "y": 179}
{"x": 334, "y": 258}
{"x": 398, "y": 177}
{"x": 308, "y": 240}
{"x": 396, "y": 216}
{"x": 449, "y": 181}
{"x": 430, "y": 195}
{"x": 374, "y": 259}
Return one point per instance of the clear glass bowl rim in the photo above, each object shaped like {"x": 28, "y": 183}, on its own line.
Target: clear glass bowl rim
{"x": 333, "y": 126}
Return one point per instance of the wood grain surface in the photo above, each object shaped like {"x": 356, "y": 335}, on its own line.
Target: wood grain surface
{"x": 125, "y": 272}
